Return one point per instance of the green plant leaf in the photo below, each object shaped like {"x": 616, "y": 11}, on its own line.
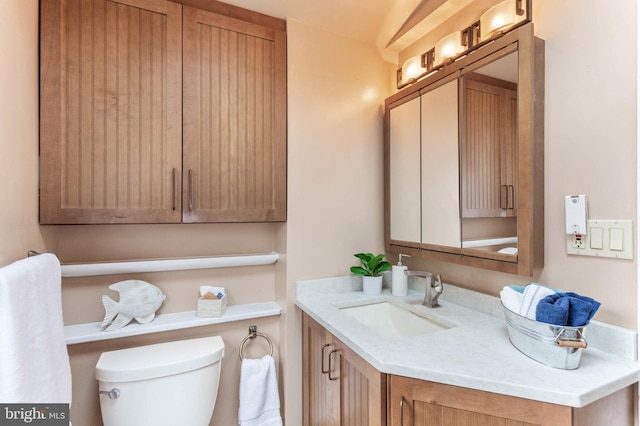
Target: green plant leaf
{"x": 371, "y": 265}
{"x": 381, "y": 267}
{"x": 364, "y": 257}
{"x": 359, "y": 271}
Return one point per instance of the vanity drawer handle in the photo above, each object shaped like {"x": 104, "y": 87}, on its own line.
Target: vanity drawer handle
{"x": 402, "y": 410}
{"x": 322, "y": 359}
{"x": 331, "y": 365}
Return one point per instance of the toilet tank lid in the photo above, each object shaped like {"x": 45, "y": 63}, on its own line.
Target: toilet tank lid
{"x": 162, "y": 359}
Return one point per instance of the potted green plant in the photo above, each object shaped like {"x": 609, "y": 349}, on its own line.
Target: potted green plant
{"x": 371, "y": 267}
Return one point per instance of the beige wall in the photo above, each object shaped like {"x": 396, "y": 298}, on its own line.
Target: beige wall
{"x": 336, "y": 92}
{"x": 19, "y": 230}
{"x": 590, "y": 148}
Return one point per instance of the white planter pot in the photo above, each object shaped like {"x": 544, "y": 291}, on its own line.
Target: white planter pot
{"x": 372, "y": 285}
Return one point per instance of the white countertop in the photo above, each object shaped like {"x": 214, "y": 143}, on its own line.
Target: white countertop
{"x": 476, "y": 353}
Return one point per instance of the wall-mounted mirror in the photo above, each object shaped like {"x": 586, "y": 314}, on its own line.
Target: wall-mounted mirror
{"x": 489, "y": 156}
{"x": 463, "y": 159}
{"x": 424, "y": 204}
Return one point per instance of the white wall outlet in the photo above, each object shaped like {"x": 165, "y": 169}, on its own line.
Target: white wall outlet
{"x": 577, "y": 241}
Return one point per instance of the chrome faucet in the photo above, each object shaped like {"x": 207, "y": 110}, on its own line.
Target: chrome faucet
{"x": 433, "y": 290}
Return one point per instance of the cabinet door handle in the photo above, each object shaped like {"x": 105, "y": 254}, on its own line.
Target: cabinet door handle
{"x": 331, "y": 365}
{"x": 190, "y": 189}
{"x": 322, "y": 359}
{"x": 174, "y": 181}
{"x": 513, "y": 197}
{"x": 401, "y": 410}
{"x": 504, "y": 197}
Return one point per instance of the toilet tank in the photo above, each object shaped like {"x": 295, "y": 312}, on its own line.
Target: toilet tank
{"x": 174, "y": 383}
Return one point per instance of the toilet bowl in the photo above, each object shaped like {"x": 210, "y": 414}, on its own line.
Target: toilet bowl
{"x": 174, "y": 383}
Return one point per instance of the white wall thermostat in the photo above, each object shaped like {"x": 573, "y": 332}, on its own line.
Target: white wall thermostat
{"x": 575, "y": 208}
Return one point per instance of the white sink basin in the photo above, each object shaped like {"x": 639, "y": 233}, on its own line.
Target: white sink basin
{"x": 392, "y": 321}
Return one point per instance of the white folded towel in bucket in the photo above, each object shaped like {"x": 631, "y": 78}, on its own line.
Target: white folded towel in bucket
{"x": 532, "y": 295}
{"x": 511, "y": 299}
{"x": 259, "y": 398}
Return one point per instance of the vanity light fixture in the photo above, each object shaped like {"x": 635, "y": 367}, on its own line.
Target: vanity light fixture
{"x": 500, "y": 17}
{"x": 411, "y": 71}
{"x": 449, "y": 47}
{"x": 496, "y": 21}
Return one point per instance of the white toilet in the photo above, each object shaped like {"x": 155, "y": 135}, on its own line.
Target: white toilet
{"x": 174, "y": 383}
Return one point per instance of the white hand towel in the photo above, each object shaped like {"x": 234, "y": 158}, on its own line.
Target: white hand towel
{"x": 532, "y": 295}
{"x": 511, "y": 299}
{"x": 34, "y": 363}
{"x": 259, "y": 398}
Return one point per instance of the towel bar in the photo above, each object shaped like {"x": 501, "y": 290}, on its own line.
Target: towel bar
{"x": 253, "y": 333}
{"x": 163, "y": 265}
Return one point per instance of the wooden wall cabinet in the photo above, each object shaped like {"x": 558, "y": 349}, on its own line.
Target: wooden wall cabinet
{"x": 146, "y": 117}
{"x": 339, "y": 387}
{"x": 418, "y": 402}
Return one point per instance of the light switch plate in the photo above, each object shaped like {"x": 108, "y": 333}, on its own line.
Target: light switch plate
{"x": 614, "y": 236}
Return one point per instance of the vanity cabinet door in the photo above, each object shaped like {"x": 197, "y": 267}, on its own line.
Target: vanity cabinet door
{"x": 234, "y": 120}
{"x": 417, "y": 402}
{"x": 110, "y": 111}
{"x": 489, "y": 149}
{"x": 319, "y": 407}
{"x": 339, "y": 387}
{"x": 362, "y": 390}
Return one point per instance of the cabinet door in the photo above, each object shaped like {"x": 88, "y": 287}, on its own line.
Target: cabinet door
{"x": 339, "y": 387}
{"x": 318, "y": 388}
{"x": 110, "y": 111}
{"x": 234, "y": 120}
{"x": 405, "y": 214}
{"x": 489, "y": 157}
{"x": 362, "y": 390}
{"x": 417, "y": 402}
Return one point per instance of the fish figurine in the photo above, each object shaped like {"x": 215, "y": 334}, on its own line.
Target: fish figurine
{"x": 138, "y": 299}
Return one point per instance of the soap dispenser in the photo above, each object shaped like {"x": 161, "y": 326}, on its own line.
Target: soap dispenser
{"x": 399, "y": 278}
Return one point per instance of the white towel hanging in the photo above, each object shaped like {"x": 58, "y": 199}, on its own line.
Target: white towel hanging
{"x": 34, "y": 363}
{"x": 259, "y": 398}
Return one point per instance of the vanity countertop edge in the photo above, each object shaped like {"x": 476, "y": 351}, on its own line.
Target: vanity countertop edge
{"x": 476, "y": 353}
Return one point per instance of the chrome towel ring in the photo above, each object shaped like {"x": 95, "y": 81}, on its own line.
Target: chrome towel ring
{"x": 253, "y": 333}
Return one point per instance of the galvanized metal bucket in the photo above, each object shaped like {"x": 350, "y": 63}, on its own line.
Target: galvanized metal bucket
{"x": 552, "y": 345}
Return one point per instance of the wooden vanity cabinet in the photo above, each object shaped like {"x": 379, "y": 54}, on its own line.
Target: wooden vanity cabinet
{"x": 339, "y": 387}
{"x": 153, "y": 111}
{"x": 418, "y": 402}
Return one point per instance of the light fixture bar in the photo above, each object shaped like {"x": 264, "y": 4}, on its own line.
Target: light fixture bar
{"x": 498, "y": 20}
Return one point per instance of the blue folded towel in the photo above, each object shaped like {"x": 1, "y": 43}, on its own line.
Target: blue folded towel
{"x": 568, "y": 309}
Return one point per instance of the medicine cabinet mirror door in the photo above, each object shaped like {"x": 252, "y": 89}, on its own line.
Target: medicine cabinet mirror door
{"x": 424, "y": 203}
{"x": 489, "y": 158}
